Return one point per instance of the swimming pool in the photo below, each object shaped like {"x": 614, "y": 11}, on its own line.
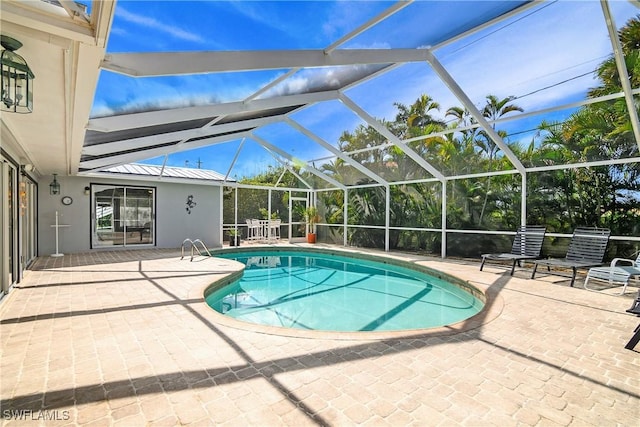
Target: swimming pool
{"x": 333, "y": 292}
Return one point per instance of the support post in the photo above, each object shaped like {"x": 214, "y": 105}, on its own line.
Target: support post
{"x": 344, "y": 215}
{"x": 387, "y": 217}
{"x": 523, "y": 199}
{"x": 443, "y": 225}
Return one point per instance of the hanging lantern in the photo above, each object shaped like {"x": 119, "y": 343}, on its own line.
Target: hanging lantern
{"x": 16, "y": 79}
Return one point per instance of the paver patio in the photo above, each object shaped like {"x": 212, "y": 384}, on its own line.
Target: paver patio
{"x": 125, "y": 338}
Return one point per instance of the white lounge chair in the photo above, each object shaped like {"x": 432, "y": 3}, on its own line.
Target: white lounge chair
{"x": 615, "y": 273}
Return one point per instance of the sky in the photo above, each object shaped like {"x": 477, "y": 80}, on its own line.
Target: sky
{"x": 543, "y": 57}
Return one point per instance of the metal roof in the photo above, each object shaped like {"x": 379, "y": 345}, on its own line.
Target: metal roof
{"x": 141, "y": 170}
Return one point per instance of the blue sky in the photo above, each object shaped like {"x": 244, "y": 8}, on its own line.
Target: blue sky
{"x": 556, "y": 42}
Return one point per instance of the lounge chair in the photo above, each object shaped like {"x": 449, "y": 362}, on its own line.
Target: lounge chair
{"x": 527, "y": 245}
{"x": 615, "y": 273}
{"x": 586, "y": 249}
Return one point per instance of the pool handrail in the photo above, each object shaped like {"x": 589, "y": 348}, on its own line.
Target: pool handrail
{"x": 194, "y": 245}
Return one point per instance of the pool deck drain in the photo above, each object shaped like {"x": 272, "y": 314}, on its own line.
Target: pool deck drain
{"x": 125, "y": 338}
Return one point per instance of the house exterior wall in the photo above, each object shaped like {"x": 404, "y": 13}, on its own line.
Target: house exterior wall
{"x": 173, "y": 222}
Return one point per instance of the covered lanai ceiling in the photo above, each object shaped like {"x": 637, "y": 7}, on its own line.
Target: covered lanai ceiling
{"x": 64, "y": 43}
{"x": 290, "y": 86}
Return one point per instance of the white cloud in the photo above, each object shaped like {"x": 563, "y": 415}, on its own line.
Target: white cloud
{"x": 321, "y": 79}
{"x": 154, "y": 24}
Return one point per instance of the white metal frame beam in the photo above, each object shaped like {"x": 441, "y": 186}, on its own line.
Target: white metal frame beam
{"x": 390, "y": 11}
{"x": 287, "y": 167}
{"x": 163, "y": 138}
{"x": 622, "y": 70}
{"x": 515, "y": 12}
{"x": 289, "y": 157}
{"x": 350, "y": 161}
{"x": 382, "y": 130}
{"x": 491, "y": 122}
{"x": 450, "y": 82}
{"x": 180, "y": 63}
{"x": 233, "y": 161}
{"x": 364, "y": 27}
{"x": 110, "y": 161}
{"x": 152, "y": 118}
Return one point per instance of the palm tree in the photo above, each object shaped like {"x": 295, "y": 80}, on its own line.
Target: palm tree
{"x": 413, "y": 119}
{"x": 607, "y": 72}
{"x": 492, "y": 111}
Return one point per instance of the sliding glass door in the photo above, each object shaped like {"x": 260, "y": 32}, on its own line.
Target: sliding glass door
{"x": 122, "y": 216}
{"x": 28, "y": 221}
{"x": 9, "y": 255}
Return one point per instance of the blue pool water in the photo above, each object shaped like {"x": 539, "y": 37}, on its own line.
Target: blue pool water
{"x": 313, "y": 291}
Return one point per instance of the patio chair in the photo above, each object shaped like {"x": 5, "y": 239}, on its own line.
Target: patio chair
{"x": 254, "y": 232}
{"x": 274, "y": 229}
{"x": 615, "y": 274}
{"x": 527, "y": 245}
{"x": 586, "y": 249}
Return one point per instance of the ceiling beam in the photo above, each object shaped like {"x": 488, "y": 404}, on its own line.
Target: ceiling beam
{"x": 512, "y": 13}
{"x": 74, "y": 10}
{"x": 56, "y": 24}
{"x": 451, "y": 83}
{"x": 167, "y": 137}
{"x": 309, "y": 168}
{"x": 178, "y": 63}
{"x": 21, "y": 32}
{"x": 385, "y": 14}
{"x": 151, "y": 118}
{"x": 382, "y": 130}
{"x": 287, "y": 167}
{"x": 124, "y": 158}
{"x": 367, "y": 25}
{"x": 340, "y": 154}
{"x": 102, "y": 13}
{"x": 621, "y": 65}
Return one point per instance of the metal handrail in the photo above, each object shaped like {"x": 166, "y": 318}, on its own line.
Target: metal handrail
{"x": 194, "y": 245}
{"x": 184, "y": 242}
{"x": 206, "y": 250}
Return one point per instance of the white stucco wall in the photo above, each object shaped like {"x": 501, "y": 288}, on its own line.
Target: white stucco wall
{"x": 173, "y": 222}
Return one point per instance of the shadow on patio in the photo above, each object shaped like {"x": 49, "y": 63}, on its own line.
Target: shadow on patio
{"x": 129, "y": 342}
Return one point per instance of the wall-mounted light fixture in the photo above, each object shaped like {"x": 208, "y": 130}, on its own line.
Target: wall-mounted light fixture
{"x": 54, "y": 187}
{"x": 87, "y": 191}
{"x": 16, "y": 78}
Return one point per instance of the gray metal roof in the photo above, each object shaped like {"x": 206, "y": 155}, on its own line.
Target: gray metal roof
{"x": 166, "y": 172}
